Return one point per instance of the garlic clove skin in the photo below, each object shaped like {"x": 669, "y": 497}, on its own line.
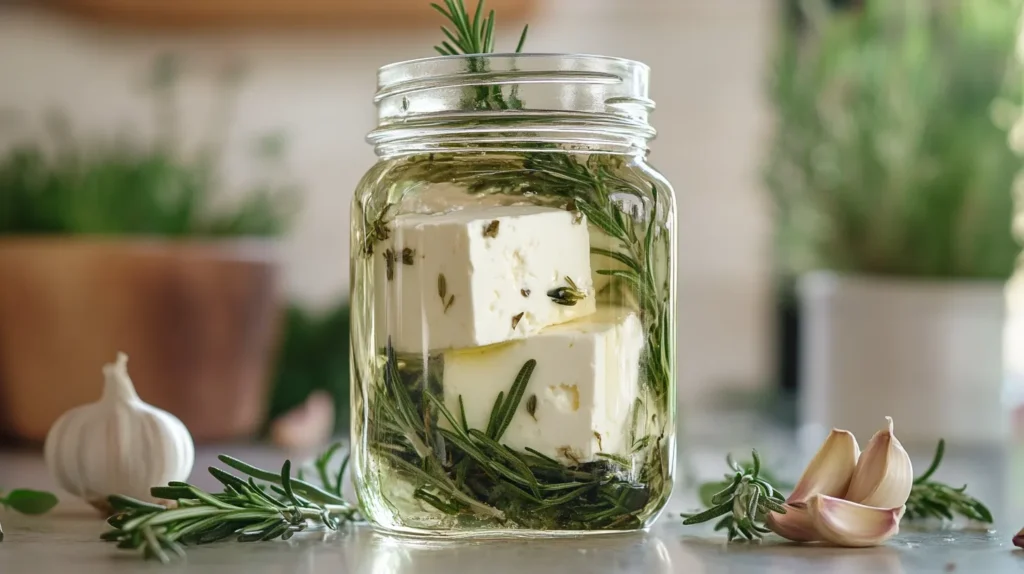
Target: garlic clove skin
{"x": 795, "y": 524}
{"x": 853, "y": 525}
{"x": 117, "y": 445}
{"x": 884, "y": 475}
{"x": 831, "y": 469}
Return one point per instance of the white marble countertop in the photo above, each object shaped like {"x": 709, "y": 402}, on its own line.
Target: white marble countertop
{"x": 67, "y": 539}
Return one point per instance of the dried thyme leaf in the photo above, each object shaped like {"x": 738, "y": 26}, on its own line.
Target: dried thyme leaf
{"x": 390, "y": 258}
{"x": 408, "y": 256}
{"x": 492, "y": 229}
{"x": 567, "y": 296}
{"x": 531, "y": 406}
{"x": 525, "y": 292}
{"x": 451, "y": 301}
{"x": 516, "y": 319}
{"x": 442, "y": 286}
{"x": 597, "y": 435}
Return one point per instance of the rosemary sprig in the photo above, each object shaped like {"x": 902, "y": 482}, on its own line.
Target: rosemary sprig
{"x": 472, "y": 35}
{"x": 246, "y": 510}
{"x": 930, "y": 499}
{"x": 743, "y": 504}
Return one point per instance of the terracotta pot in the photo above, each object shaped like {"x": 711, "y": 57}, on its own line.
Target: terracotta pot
{"x": 197, "y": 319}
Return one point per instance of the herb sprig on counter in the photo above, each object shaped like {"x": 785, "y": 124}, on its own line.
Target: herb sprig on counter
{"x": 931, "y": 499}
{"x": 263, "y": 506}
{"x": 742, "y": 503}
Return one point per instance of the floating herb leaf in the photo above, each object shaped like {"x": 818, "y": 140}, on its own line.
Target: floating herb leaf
{"x": 378, "y": 231}
{"x": 524, "y": 292}
{"x": 567, "y": 296}
{"x": 531, "y": 406}
{"x": 442, "y": 292}
{"x": 516, "y": 319}
{"x": 492, "y": 229}
{"x": 408, "y": 256}
{"x": 390, "y": 259}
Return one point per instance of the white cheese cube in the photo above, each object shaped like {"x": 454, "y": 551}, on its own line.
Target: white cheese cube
{"x": 585, "y": 383}
{"x": 478, "y": 276}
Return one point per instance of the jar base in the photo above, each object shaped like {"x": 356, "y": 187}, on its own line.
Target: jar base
{"x": 495, "y": 534}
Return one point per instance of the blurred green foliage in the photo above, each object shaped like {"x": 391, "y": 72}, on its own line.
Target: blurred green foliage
{"x": 82, "y": 186}
{"x": 891, "y": 153}
{"x": 314, "y": 356}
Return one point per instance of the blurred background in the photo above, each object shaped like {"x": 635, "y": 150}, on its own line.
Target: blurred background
{"x": 175, "y": 179}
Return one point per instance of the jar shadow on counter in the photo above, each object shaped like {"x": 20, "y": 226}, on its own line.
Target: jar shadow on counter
{"x": 639, "y": 552}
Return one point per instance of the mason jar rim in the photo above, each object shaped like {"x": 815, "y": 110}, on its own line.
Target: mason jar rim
{"x": 558, "y": 98}
{"x": 514, "y": 55}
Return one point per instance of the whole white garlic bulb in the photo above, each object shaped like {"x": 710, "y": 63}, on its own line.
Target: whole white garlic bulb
{"x": 117, "y": 445}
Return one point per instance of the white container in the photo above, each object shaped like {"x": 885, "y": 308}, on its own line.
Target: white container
{"x": 927, "y": 353}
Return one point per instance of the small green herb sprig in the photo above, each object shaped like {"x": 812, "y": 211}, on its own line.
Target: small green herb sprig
{"x": 930, "y": 499}
{"x": 27, "y": 501}
{"x": 263, "y": 506}
{"x": 742, "y": 504}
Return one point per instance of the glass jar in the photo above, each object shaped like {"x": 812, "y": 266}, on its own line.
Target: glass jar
{"x": 513, "y": 312}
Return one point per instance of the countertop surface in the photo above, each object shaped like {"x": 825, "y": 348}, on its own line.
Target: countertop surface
{"x": 66, "y": 540}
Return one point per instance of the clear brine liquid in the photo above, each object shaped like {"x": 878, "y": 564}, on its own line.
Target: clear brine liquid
{"x": 425, "y": 466}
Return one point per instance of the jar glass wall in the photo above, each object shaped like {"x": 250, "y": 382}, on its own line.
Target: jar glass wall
{"x": 513, "y": 312}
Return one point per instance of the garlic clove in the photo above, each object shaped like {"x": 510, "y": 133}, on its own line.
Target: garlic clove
{"x": 884, "y": 475}
{"x": 795, "y": 524}
{"x": 117, "y": 445}
{"x": 831, "y": 469}
{"x": 853, "y": 525}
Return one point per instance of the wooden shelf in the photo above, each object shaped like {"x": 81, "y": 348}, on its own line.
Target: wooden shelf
{"x": 274, "y": 13}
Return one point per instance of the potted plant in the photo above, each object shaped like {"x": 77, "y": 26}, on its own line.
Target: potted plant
{"x": 108, "y": 247}
{"x": 891, "y": 175}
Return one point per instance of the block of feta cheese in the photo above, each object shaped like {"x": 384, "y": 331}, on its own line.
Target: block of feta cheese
{"x": 478, "y": 276}
{"x": 585, "y": 383}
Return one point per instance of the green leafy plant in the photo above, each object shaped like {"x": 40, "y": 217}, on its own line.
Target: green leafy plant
{"x": 314, "y": 356}
{"x": 261, "y": 506}
{"x": 84, "y": 186}
{"x": 27, "y": 501}
{"x": 890, "y": 155}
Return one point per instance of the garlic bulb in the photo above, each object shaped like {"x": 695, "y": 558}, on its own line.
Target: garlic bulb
{"x": 117, "y": 445}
